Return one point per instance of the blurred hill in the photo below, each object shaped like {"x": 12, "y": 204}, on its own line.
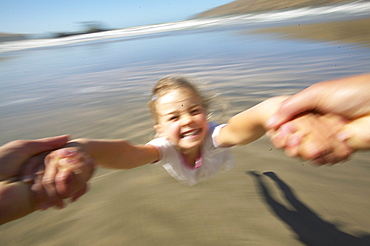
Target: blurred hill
{"x": 349, "y": 31}
{"x": 87, "y": 26}
{"x": 249, "y": 6}
{"x": 6, "y": 37}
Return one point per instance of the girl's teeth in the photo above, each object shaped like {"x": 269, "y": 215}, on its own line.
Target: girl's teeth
{"x": 190, "y": 134}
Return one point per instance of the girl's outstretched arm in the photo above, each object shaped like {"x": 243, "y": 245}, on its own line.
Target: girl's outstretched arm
{"x": 248, "y": 125}
{"x": 117, "y": 154}
{"x": 357, "y": 133}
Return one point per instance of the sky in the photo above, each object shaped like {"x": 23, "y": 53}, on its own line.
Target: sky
{"x": 49, "y": 16}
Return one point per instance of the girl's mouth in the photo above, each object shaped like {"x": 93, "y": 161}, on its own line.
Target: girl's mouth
{"x": 190, "y": 133}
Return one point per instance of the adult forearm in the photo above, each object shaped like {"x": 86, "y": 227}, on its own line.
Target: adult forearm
{"x": 16, "y": 201}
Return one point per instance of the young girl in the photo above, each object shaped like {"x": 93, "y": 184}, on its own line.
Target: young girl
{"x": 188, "y": 146}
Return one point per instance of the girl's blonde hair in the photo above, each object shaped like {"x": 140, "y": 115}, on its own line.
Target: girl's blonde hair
{"x": 170, "y": 83}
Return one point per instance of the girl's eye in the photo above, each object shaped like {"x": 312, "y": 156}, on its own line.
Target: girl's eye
{"x": 174, "y": 118}
{"x": 195, "y": 111}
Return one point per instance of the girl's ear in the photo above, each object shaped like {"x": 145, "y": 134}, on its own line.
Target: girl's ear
{"x": 158, "y": 129}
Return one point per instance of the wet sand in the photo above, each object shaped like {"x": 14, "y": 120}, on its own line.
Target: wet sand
{"x": 266, "y": 199}
{"x": 294, "y": 202}
{"x": 355, "y": 32}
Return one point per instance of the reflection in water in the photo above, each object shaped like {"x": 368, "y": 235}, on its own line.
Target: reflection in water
{"x": 309, "y": 227}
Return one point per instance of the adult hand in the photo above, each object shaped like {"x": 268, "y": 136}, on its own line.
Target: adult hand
{"x": 347, "y": 97}
{"x": 14, "y": 155}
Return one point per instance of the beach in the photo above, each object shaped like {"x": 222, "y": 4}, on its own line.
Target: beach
{"x": 100, "y": 90}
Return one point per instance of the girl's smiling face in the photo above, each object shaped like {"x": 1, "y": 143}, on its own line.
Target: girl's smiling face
{"x": 182, "y": 119}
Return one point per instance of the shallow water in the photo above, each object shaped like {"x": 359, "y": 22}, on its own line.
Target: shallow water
{"x": 76, "y": 89}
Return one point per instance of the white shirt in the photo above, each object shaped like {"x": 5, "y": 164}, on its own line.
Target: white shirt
{"x": 212, "y": 159}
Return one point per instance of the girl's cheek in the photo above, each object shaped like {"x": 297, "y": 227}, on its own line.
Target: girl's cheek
{"x": 203, "y": 118}
{"x": 174, "y": 128}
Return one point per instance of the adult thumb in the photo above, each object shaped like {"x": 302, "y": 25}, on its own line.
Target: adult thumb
{"x": 34, "y": 147}
{"x": 306, "y": 100}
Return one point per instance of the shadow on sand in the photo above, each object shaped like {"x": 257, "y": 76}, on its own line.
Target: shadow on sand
{"x": 309, "y": 227}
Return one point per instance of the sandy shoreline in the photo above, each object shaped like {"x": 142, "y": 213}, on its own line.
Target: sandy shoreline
{"x": 293, "y": 203}
{"x": 350, "y": 31}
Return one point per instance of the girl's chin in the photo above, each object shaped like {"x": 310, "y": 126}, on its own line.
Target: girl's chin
{"x": 189, "y": 146}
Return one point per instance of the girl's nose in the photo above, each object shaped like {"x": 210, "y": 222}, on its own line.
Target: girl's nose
{"x": 186, "y": 119}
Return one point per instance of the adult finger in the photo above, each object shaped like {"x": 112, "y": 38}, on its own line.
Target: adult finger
{"x": 48, "y": 180}
{"x": 341, "y": 152}
{"x": 313, "y": 150}
{"x": 64, "y": 183}
{"x": 39, "y": 192}
{"x": 283, "y": 135}
{"x": 73, "y": 175}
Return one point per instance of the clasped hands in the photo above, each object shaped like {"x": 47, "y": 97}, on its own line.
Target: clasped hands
{"x": 66, "y": 174}
{"x": 52, "y": 176}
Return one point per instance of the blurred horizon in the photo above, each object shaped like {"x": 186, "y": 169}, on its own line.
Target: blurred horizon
{"x": 95, "y": 32}
{"x": 25, "y": 17}
{"x": 70, "y": 18}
